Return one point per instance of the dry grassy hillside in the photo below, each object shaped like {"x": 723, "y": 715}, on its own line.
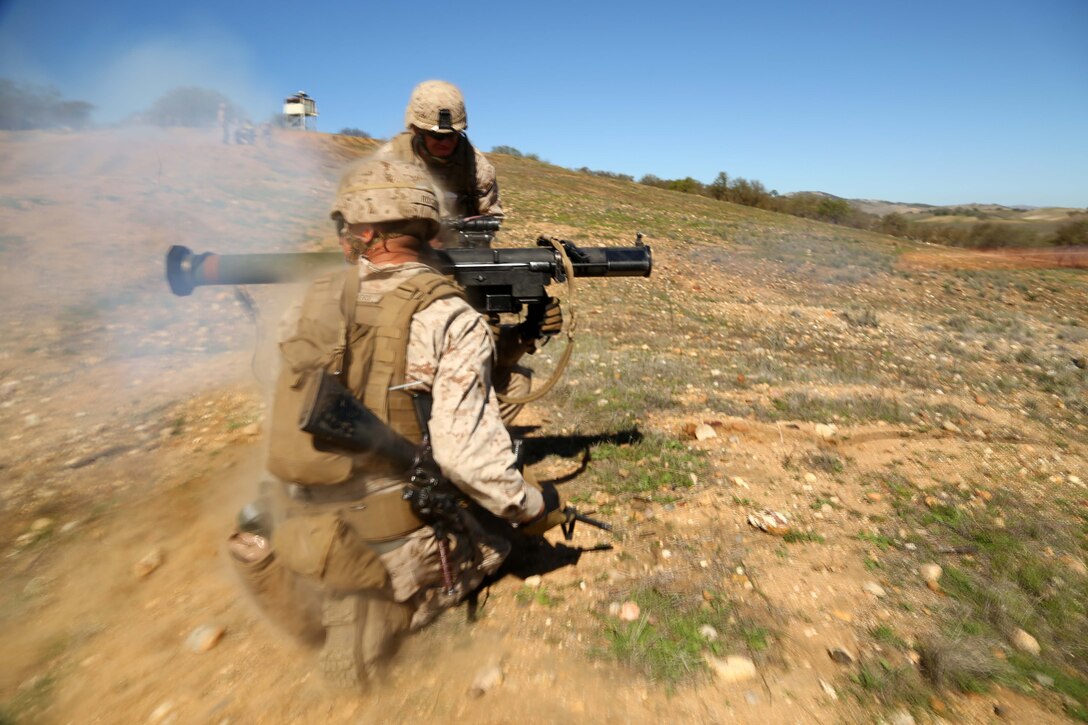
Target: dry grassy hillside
{"x": 896, "y": 419}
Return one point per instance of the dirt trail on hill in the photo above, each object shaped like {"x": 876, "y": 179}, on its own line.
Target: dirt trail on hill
{"x": 133, "y": 428}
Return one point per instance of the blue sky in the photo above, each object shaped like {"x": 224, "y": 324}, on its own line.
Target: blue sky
{"x": 941, "y": 102}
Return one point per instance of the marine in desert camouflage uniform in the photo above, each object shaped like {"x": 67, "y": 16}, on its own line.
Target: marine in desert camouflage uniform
{"x": 348, "y": 565}
{"x": 435, "y": 140}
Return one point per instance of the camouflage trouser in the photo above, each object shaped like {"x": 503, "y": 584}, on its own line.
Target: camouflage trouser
{"x": 323, "y": 581}
{"x": 515, "y": 381}
{"x": 289, "y": 601}
{"x": 324, "y": 584}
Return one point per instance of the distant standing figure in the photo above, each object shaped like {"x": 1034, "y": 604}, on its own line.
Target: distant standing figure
{"x": 221, "y": 119}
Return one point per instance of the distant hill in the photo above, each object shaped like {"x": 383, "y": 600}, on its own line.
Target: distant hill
{"x": 1043, "y": 219}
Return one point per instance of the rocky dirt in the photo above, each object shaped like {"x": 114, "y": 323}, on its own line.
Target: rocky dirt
{"x": 772, "y": 373}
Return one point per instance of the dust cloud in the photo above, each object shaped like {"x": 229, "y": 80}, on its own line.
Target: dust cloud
{"x": 98, "y": 356}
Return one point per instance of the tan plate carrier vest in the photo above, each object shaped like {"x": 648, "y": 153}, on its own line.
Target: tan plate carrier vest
{"x": 364, "y": 339}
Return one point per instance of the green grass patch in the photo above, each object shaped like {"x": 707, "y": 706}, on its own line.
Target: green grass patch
{"x": 654, "y": 465}
{"x": 803, "y": 537}
{"x": 881, "y": 541}
{"x": 539, "y": 595}
{"x": 1014, "y": 577}
{"x": 889, "y": 685}
{"x": 666, "y": 643}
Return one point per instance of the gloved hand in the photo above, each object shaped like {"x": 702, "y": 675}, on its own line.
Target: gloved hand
{"x": 552, "y": 324}
{"x": 552, "y": 515}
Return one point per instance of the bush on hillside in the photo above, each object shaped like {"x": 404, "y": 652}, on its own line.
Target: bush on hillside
{"x": 190, "y": 107}
{"x": 356, "y": 132}
{"x": 24, "y": 107}
{"x": 1071, "y": 233}
{"x": 605, "y": 174}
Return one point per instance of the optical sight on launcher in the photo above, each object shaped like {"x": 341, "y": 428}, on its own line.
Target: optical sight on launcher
{"x": 469, "y": 232}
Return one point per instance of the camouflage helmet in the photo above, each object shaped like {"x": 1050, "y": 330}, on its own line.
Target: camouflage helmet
{"x": 436, "y": 106}
{"x": 373, "y": 191}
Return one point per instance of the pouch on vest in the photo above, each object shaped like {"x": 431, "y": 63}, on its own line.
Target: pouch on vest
{"x": 318, "y": 340}
{"x": 325, "y": 547}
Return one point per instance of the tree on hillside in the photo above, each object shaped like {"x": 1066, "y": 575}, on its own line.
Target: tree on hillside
{"x": 687, "y": 185}
{"x": 1072, "y": 233}
{"x": 190, "y": 107}
{"x": 719, "y": 188}
{"x": 25, "y": 107}
{"x": 749, "y": 193}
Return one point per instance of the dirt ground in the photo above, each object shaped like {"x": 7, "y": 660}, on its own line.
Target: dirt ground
{"x": 133, "y": 428}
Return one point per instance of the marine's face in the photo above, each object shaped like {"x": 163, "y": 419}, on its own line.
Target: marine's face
{"x": 439, "y": 145}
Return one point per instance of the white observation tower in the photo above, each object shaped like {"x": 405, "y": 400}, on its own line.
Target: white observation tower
{"x": 298, "y": 110}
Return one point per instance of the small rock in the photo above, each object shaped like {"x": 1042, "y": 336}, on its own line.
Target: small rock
{"x": 841, "y": 655}
{"x": 1044, "y": 680}
{"x": 32, "y": 420}
{"x": 534, "y": 581}
{"x": 204, "y": 637}
{"x": 951, "y": 428}
{"x": 810, "y": 477}
{"x": 666, "y": 554}
{"x": 829, "y": 690}
{"x": 151, "y": 561}
{"x": 705, "y": 432}
{"x": 738, "y": 481}
{"x": 772, "y": 522}
{"x": 937, "y": 705}
{"x": 1024, "y": 642}
{"x": 69, "y": 527}
{"x": 733, "y": 668}
{"x": 825, "y": 432}
{"x": 874, "y": 497}
{"x": 1000, "y": 710}
{"x": 41, "y": 525}
{"x": 614, "y": 609}
{"x": 1075, "y": 480}
{"x": 708, "y": 633}
{"x": 875, "y": 589}
{"x": 252, "y": 430}
{"x": 629, "y": 611}
{"x": 37, "y": 585}
{"x": 930, "y": 572}
{"x": 486, "y": 680}
{"x": 160, "y": 712}
{"x": 1075, "y": 564}
{"x": 901, "y": 717}
{"x": 981, "y": 400}
{"x": 751, "y": 698}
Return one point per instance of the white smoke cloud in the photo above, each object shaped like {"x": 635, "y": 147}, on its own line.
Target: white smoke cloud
{"x": 133, "y": 78}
